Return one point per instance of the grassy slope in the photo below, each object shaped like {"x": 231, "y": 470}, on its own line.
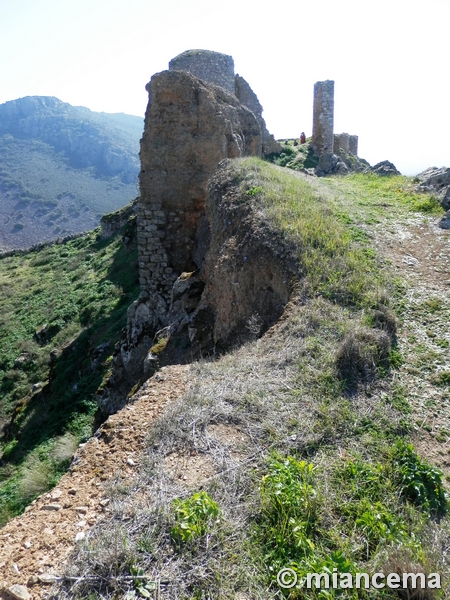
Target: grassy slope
{"x": 323, "y": 475}
{"x": 80, "y": 290}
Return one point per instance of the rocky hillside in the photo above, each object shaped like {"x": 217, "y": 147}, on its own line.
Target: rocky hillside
{"x": 61, "y": 168}
{"x": 324, "y": 417}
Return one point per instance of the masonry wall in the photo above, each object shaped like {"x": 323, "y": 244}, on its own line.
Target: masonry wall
{"x": 189, "y": 128}
{"x": 323, "y": 117}
{"x": 212, "y": 67}
{"x": 353, "y": 145}
{"x": 343, "y": 142}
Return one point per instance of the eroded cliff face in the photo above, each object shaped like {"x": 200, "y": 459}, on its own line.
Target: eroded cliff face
{"x": 185, "y": 245}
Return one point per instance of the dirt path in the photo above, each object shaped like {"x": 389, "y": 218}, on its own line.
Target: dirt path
{"x": 420, "y": 253}
{"x": 35, "y": 545}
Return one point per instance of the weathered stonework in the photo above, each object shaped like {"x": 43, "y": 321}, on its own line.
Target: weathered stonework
{"x": 189, "y": 128}
{"x": 343, "y": 142}
{"x": 323, "y": 117}
{"x": 198, "y": 114}
{"x": 211, "y": 67}
{"x": 353, "y": 145}
{"x": 248, "y": 98}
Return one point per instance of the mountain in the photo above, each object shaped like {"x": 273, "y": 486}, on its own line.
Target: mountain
{"x": 62, "y": 167}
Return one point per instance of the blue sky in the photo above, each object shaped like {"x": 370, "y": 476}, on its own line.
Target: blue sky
{"x": 389, "y": 61}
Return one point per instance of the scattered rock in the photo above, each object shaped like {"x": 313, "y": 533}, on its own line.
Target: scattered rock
{"x": 72, "y": 491}
{"x": 130, "y": 462}
{"x": 331, "y": 164}
{"x": 444, "y": 223}
{"x": 81, "y": 509}
{"x": 55, "y": 494}
{"x": 53, "y": 506}
{"x": 383, "y": 168}
{"x": 22, "y": 360}
{"x": 47, "y": 578}
{"x": 80, "y": 536}
{"x": 19, "y": 592}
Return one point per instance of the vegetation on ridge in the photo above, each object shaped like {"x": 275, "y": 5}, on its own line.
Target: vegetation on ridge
{"x": 63, "y": 309}
{"x": 307, "y": 430}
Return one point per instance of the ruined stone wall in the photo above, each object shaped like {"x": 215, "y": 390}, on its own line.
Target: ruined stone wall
{"x": 353, "y": 145}
{"x": 248, "y": 98}
{"x": 323, "y": 117}
{"x": 211, "y": 67}
{"x": 343, "y": 142}
{"x": 189, "y": 128}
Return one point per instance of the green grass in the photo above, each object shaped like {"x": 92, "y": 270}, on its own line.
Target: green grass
{"x": 330, "y": 258}
{"x": 80, "y": 292}
{"x": 374, "y": 198}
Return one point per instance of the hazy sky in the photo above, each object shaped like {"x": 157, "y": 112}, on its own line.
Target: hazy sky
{"x": 389, "y": 60}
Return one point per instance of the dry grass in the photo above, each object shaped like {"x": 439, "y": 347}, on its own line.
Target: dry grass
{"x": 272, "y": 391}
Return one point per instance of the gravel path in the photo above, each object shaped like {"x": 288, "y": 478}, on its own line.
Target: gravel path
{"x": 35, "y": 544}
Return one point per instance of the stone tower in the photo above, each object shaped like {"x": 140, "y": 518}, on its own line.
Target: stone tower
{"x": 323, "y": 117}
{"x": 212, "y": 67}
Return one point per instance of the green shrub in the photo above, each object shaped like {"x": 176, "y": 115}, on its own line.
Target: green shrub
{"x": 289, "y": 509}
{"x": 420, "y": 482}
{"x": 193, "y": 516}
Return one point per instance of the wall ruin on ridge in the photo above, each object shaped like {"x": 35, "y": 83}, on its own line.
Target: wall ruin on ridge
{"x": 323, "y": 117}
{"x": 191, "y": 124}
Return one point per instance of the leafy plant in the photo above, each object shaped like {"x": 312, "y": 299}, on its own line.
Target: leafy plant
{"x": 193, "y": 516}
{"x": 421, "y": 483}
{"x": 289, "y": 509}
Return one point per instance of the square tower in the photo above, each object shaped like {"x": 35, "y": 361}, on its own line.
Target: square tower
{"x": 323, "y": 117}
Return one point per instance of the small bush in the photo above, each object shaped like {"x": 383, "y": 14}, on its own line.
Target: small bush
{"x": 289, "y": 509}
{"x": 384, "y": 318}
{"x": 362, "y": 354}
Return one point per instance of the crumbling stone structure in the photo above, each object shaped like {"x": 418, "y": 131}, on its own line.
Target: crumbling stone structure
{"x": 333, "y": 150}
{"x": 343, "y": 142}
{"x": 323, "y": 117}
{"x": 212, "y": 67}
{"x": 198, "y": 114}
{"x": 353, "y": 145}
{"x": 190, "y": 126}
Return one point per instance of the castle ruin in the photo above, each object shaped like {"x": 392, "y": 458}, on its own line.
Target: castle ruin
{"x": 323, "y": 117}
{"x": 324, "y": 140}
{"x": 198, "y": 114}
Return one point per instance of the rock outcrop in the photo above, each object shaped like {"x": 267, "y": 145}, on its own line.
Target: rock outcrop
{"x": 384, "y": 168}
{"x": 437, "y": 181}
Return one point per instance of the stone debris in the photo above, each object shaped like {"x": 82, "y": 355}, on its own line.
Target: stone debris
{"x": 18, "y": 592}
{"x": 54, "y": 506}
{"x": 47, "y": 578}
{"x": 437, "y": 181}
{"x": 35, "y": 545}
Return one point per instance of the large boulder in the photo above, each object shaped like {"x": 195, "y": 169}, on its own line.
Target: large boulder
{"x": 331, "y": 164}
{"x": 436, "y": 180}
